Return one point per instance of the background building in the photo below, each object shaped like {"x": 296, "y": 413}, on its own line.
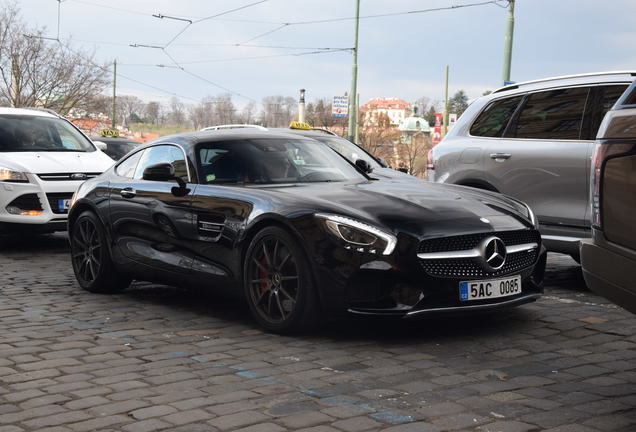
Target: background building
{"x": 395, "y": 109}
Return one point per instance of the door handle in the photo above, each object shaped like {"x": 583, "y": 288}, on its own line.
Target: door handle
{"x": 128, "y": 192}
{"x": 500, "y": 155}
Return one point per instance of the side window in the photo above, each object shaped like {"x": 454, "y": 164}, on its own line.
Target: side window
{"x": 179, "y": 163}
{"x": 553, "y": 114}
{"x": 218, "y": 164}
{"x": 127, "y": 167}
{"x": 606, "y": 98}
{"x": 495, "y": 117}
{"x": 162, "y": 154}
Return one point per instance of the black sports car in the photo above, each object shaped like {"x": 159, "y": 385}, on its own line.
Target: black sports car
{"x": 301, "y": 231}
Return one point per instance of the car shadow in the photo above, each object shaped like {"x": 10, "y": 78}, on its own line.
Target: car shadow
{"x": 229, "y": 311}
{"x": 27, "y": 243}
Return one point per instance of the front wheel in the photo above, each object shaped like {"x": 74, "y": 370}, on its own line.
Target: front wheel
{"x": 92, "y": 264}
{"x": 278, "y": 283}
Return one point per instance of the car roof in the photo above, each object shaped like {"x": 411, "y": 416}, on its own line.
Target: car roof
{"x": 193, "y": 138}
{"x": 305, "y": 132}
{"x": 35, "y": 112}
{"x": 559, "y": 81}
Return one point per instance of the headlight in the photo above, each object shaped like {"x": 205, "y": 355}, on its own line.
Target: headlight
{"x": 358, "y": 235}
{"x": 9, "y": 175}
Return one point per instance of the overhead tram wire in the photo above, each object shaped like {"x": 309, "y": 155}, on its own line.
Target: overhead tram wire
{"x": 229, "y": 59}
{"x": 208, "y": 18}
{"x": 282, "y": 25}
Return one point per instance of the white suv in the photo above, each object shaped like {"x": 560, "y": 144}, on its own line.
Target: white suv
{"x": 43, "y": 160}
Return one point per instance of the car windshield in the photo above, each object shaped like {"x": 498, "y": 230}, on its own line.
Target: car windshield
{"x": 117, "y": 150}
{"x": 348, "y": 149}
{"x": 30, "y": 133}
{"x": 271, "y": 160}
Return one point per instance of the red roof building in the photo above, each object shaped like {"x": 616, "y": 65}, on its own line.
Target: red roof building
{"x": 394, "y": 108}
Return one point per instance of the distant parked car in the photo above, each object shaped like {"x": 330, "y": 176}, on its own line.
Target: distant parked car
{"x": 116, "y": 147}
{"x": 43, "y": 160}
{"x": 609, "y": 258}
{"x": 533, "y": 141}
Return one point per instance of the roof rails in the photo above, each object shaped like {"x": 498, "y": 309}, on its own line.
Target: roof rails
{"x": 516, "y": 85}
{"x": 233, "y": 126}
{"x": 325, "y": 131}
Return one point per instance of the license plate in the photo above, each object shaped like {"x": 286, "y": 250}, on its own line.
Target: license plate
{"x": 63, "y": 204}
{"x": 487, "y": 289}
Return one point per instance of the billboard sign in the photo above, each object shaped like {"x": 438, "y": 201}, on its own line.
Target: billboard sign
{"x": 340, "y": 106}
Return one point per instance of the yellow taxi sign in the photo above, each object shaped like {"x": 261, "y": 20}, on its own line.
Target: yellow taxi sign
{"x": 300, "y": 125}
{"x": 112, "y": 133}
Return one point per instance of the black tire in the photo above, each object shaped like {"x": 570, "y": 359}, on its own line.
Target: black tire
{"x": 92, "y": 264}
{"x": 278, "y": 283}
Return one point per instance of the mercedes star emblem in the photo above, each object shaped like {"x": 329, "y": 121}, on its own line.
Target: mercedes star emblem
{"x": 493, "y": 253}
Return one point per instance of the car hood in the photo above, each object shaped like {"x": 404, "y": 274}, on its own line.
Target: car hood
{"x": 418, "y": 208}
{"x": 56, "y": 162}
{"x": 389, "y": 173}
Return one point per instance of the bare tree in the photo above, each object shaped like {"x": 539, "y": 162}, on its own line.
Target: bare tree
{"x": 177, "y": 112}
{"x": 379, "y": 138}
{"x": 130, "y": 108}
{"x": 412, "y": 151}
{"x": 248, "y": 115}
{"x": 224, "y": 109}
{"x": 278, "y": 111}
{"x": 153, "y": 112}
{"x": 34, "y": 72}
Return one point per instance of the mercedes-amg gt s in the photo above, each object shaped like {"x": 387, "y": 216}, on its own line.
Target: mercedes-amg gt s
{"x": 301, "y": 231}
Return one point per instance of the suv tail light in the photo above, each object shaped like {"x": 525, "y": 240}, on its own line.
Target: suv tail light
{"x": 602, "y": 152}
{"x": 430, "y": 166}
{"x": 597, "y": 159}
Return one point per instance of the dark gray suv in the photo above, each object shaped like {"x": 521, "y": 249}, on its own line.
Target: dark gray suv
{"x": 609, "y": 258}
{"x": 534, "y": 141}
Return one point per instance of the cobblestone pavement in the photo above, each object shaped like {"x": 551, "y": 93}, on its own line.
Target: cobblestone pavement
{"x": 164, "y": 358}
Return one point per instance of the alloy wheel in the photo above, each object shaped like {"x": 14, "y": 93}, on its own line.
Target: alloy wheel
{"x": 273, "y": 280}
{"x": 87, "y": 249}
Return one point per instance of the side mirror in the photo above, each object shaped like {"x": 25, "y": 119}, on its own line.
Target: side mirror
{"x": 363, "y": 165}
{"x": 159, "y": 172}
{"x": 100, "y": 145}
{"x": 404, "y": 170}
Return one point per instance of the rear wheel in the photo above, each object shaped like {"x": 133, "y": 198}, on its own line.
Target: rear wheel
{"x": 92, "y": 264}
{"x": 278, "y": 283}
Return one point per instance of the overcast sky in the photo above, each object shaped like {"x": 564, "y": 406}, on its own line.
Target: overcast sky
{"x": 399, "y": 56}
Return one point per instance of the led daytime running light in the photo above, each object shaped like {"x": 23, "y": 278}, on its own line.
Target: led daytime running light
{"x": 389, "y": 239}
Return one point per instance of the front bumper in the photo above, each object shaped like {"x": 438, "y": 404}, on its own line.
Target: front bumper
{"x": 401, "y": 286}
{"x": 42, "y": 196}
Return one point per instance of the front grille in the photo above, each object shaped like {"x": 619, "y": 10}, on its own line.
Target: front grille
{"x": 469, "y": 267}
{"x": 65, "y": 176}
{"x": 27, "y": 202}
{"x": 54, "y": 201}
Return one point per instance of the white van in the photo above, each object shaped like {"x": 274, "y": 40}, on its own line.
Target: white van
{"x": 43, "y": 160}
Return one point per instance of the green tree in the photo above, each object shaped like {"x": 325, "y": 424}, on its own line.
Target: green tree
{"x": 458, "y": 103}
{"x": 430, "y": 115}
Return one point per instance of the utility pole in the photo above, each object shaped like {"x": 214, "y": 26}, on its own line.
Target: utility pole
{"x": 357, "y": 137}
{"x": 114, "y": 93}
{"x": 301, "y": 106}
{"x": 445, "y": 116}
{"x": 353, "y": 112}
{"x": 510, "y": 28}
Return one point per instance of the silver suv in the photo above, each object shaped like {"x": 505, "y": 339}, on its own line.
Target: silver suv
{"x": 534, "y": 141}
